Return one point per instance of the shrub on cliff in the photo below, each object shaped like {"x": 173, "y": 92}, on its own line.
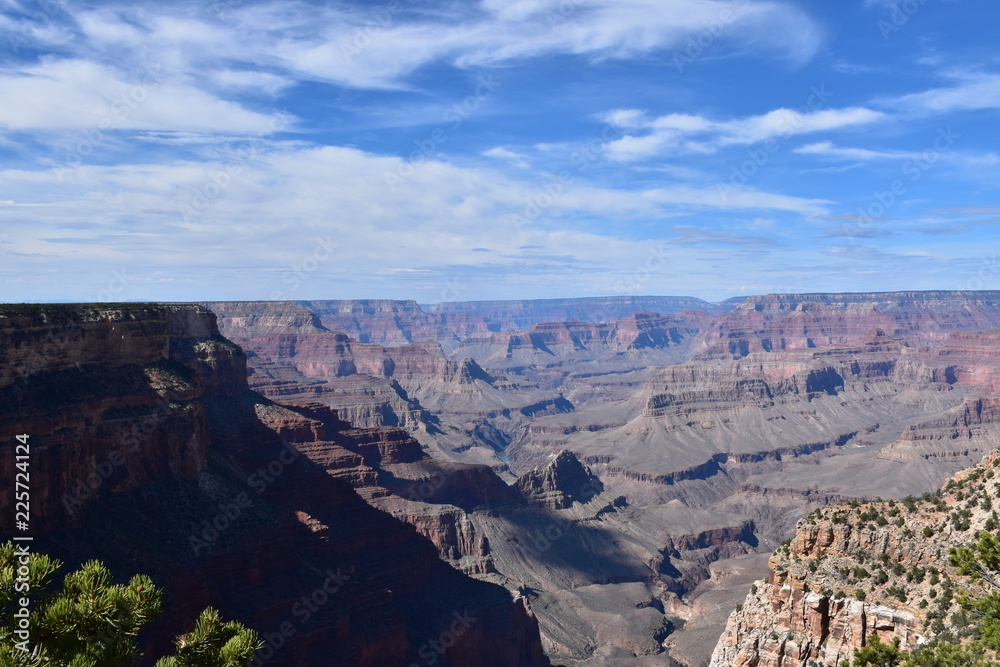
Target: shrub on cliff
{"x": 93, "y": 622}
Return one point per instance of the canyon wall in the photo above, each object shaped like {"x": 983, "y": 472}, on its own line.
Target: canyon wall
{"x": 150, "y": 453}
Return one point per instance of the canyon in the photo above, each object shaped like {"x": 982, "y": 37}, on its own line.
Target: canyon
{"x": 602, "y": 479}
{"x": 738, "y": 417}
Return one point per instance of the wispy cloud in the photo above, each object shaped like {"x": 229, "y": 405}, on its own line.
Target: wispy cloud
{"x": 519, "y": 160}
{"x": 970, "y": 91}
{"x": 685, "y": 133}
{"x": 379, "y": 45}
{"x": 827, "y": 149}
{"x": 967, "y": 210}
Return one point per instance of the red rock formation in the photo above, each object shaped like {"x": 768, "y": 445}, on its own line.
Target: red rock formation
{"x": 796, "y": 321}
{"x": 101, "y": 390}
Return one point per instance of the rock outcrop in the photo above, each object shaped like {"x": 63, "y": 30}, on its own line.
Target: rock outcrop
{"x": 665, "y": 338}
{"x": 561, "y": 483}
{"x": 106, "y": 393}
{"x": 861, "y": 570}
{"x": 388, "y": 322}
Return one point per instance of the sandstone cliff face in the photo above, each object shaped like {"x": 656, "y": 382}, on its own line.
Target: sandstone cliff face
{"x": 860, "y": 570}
{"x": 152, "y": 455}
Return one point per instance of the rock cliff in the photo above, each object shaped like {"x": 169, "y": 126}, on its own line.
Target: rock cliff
{"x": 106, "y": 393}
{"x": 388, "y": 322}
{"x": 150, "y": 453}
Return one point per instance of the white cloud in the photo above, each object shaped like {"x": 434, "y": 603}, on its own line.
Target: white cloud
{"x": 685, "y": 133}
{"x": 244, "y": 79}
{"x": 827, "y": 149}
{"x": 972, "y": 91}
{"x": 134, "y": 215}
{"x": 66, "y": 94}
{"x": 377, "y": 48}
{"x": 788, "y": 122}
{"x": 626, "y": 118}
{"x": 519, "y": 160}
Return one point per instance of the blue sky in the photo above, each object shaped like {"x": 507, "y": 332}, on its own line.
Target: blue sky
{"x": 496, "y": 149}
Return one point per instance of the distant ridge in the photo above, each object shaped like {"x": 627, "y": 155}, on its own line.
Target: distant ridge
{"x": 521, "y": 314}
{"x": 912, "y": 300}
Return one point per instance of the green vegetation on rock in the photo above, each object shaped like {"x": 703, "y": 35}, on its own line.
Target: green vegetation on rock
{"x": 92, "y": 622}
